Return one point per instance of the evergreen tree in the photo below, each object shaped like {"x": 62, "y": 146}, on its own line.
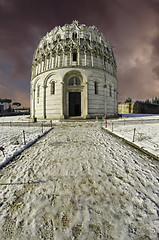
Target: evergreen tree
{"x": 128, "y": 100}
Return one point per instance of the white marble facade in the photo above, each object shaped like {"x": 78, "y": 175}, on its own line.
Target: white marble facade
{"x": 74, "y": 75}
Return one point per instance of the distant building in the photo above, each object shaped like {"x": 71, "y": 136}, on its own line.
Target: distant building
{"x": 138, "y": 107}
{"x": 142, "y": 107}
{"x": 125, "y": 107}
{"x": 74, "y": 74}
{"x": 2, "y": 108}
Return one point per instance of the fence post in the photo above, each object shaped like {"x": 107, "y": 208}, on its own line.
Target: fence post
{"x": 105, "y": 123}
{"x": 2, "y": 149}
{"x": 10, "y": 124}
{"x": 3, "y": 153}
{"x": 112, "y": 126}
{"x": 51, "y": 123}
{"x": 134, "y": 134}
{"x": 42, "y": 127}
{"x": 24, "y": 137}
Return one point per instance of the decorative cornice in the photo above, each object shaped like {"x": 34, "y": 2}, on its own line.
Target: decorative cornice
{"x": 71, "y": 37}
{"x": 59, "y": 35}
{"x": 74, "y": 68}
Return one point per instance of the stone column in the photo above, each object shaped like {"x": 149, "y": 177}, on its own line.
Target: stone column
{"x": 53, "y": 61}
{"x": 62, "y": 101}
{"x": 114, "y": 102}
{"x": 33, "y": 103}
{"x": 44, "y": 101}
{"x": 48, "y": 63}
{"x": 36, "y": 69}
{"x": 63, "y": 61}
{"x": 45, "y": 64}
{"x": 117, "y": 102}
{"x": 85, "y": 55}
{"x": 39, "y": 67}
{"x": 66, "y": 59}
{"x": 98, "y": 60}
{"x": 86, "y": 103}
{"x": 70, "y": 57}
{"x": 33, "y": 71}
{"x": 78, "y": 57}
{"x": 105, "y": 99}
{"x": 56, "y": 60}
{"x": 92, "y": 59}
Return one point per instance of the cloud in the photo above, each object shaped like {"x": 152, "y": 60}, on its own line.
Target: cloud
{"x": 6, "y": 5}
{"x": 130, "y": 25}
{"x": 155, "y": 71}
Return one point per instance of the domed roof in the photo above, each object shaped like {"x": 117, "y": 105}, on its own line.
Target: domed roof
{"x": 73, "y": 36}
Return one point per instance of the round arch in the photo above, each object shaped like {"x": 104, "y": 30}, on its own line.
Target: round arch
{"x": 72, "y": 73}
{"x": 74, "y": 94}
{"x": 33, "y": 96}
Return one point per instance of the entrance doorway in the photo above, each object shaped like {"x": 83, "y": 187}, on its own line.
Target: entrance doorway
{"x": 74, "y": 104}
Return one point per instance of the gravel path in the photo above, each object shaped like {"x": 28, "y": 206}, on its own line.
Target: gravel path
{"x": 79, "y": 182}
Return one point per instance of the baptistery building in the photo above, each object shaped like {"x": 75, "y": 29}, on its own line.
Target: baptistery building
{"x": 74, "y": 75}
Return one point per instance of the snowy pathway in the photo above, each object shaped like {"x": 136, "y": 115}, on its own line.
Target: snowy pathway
{"x": 78, "y": 182}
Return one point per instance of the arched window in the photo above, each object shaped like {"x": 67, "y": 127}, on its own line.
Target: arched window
{"x": 104, "y": 61}
{"x": 74, "y": 56}
{"x": 74, "y": 81}
{"x": 78, "y": 82}
{"x": 38, "y": 91}
{"x": 74, "y": 35}
{"x": 95, "y": 87}
{"x": 52, "y": 88}
{"x": 71, "y": 81}
{"x": 110, "y": 91}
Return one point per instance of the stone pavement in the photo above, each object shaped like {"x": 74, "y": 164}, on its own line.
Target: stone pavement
{"x": 79, "y": 182}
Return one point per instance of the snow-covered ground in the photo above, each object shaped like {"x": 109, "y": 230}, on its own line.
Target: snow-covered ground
{"x": 14, "y": 139}
{"x": 143, "y": 131}
{"x": 79, "y": 182}
{"x": 20, "y": 118}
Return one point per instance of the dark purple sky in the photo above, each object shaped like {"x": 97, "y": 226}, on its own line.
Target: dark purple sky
{"x": 131, "y": 25}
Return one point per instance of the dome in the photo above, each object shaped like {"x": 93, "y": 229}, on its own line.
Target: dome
{"x": 74, "y": 75}
{"x": 69, "y": 40}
